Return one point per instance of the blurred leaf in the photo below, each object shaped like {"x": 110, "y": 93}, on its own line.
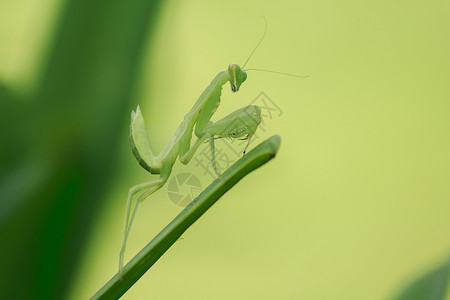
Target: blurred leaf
{"x": 58, "y": 152}
{"x": 11, "y": 132}
{"x": 432, "y": 286}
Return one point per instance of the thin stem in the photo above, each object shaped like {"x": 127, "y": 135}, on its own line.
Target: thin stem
{"x": 145, "y": 259}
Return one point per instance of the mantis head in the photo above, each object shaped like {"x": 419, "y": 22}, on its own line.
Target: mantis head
{"x": 236, "y": 76}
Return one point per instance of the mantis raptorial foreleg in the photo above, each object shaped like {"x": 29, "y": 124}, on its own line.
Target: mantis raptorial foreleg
{"x": 240, "y": 124}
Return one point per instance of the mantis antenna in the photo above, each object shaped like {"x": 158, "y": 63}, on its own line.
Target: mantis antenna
{"x": 287, "y": 74}
{"x": 257, "y": 45}
{"x": 260, "y": 40}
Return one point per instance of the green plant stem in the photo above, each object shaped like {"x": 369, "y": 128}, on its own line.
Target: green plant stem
{"x": 145, "y": 259}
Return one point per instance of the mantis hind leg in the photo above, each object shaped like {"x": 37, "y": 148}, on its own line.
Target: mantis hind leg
{"x": 142, "y": 191}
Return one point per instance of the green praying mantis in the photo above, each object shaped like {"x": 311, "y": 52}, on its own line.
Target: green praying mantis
{"x": 240, "y": 124}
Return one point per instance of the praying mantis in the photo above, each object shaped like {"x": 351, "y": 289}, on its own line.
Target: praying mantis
{"x": 240, "y": 124}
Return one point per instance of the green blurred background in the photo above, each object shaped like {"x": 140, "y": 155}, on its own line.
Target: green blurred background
{"x": 355, "y": 206}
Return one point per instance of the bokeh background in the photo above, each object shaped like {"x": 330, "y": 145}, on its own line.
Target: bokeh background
{"x": 355, "y": 206}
